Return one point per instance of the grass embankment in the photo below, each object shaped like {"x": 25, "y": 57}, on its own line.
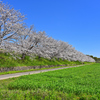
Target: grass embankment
{"x": 8, "y": 61}
{"x": 79, "y": 83}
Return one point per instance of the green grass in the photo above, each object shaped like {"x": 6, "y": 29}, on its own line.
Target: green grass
{"x": 79, "y": 83}
{"x": 8, "y": 61}
{"x": 78, "y": 80}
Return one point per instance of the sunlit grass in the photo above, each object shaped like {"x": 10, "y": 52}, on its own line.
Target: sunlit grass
{"x": 8, "y": 61}
{"x": 80, "y": 83}
{"x": 83, "y": 79}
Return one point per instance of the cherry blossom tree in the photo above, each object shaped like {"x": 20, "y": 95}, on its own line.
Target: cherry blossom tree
{"x": 11, "y": 21}
{"x": 51, "y": 48}
{"x": 26, "y": 42}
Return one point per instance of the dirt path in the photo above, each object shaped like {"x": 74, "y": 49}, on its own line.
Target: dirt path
{"x": 31, "y": 72}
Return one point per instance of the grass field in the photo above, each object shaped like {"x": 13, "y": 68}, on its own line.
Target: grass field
{"x": 80, "y": 83}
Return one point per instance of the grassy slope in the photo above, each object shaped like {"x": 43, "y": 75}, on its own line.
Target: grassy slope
{"x": 8, "y": 61}
{"x": 81, "y": 83}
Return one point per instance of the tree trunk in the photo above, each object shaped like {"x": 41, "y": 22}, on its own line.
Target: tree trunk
{"x": 23, "y": 56}
{"x": 58, "y": 59}
{"x": 63, "y": 59}
{"x": 39, "y": 57}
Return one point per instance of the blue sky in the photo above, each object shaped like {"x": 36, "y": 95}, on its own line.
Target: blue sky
{"x": 74, "y": 21}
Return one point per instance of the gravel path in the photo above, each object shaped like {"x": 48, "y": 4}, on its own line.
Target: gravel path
{"x": 31, "y": 72}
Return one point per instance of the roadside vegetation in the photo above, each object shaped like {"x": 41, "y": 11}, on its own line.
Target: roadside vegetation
{"x": 80, "y": 83}
{"x": 7, "y": 61}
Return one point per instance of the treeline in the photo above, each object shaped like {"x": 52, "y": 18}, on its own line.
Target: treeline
{"x": 95, "y": 58}
{"x": 17, "y": 38}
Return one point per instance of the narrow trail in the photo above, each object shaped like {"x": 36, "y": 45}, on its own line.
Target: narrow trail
{"x": 7, "y": 76}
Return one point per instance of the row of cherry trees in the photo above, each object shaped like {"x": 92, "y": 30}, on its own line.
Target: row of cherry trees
{"x": 16, "y": 36}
